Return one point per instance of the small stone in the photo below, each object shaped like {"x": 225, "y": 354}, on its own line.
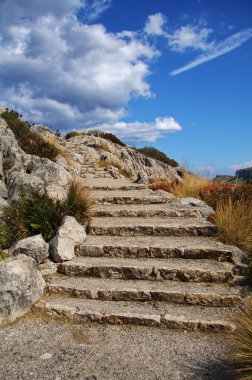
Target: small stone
{"x": 46, "y": 356}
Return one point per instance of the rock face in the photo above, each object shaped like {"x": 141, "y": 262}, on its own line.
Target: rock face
{"x": 245, "y": 174}
{"x": 69, "y": 234}
{"x": 21, "y": 286}
{"x": 33, "y": 246}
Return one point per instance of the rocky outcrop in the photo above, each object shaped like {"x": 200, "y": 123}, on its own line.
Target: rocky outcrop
{"x": 33, "y": 246}
{"x": 244, "y": 174}
{"x": 69, "y": 234}
{"x": 21, "y": 286}
{"x": 127, "y": 159}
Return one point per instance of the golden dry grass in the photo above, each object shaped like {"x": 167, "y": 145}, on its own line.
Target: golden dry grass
{"x": 104, "y": 146}
{"x": 234, "y": 221}
{"x": 52, "y": 140}
{"x": 243, "y": 339}
{"x": 190, "y": 185}
{"x": 79, "y": 202}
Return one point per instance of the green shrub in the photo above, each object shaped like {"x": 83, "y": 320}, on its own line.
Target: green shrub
{"x": 152, "y": 152}
{"x": 29, "y": 141}
{"x": 71, "y": 134}
{"x": 37, "y": 213}
{"x": 106, "y": 135}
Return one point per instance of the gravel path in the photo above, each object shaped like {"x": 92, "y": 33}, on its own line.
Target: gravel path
{"x": 36, "y": 349}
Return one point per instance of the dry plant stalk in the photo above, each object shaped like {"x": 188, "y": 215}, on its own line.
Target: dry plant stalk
{"x": 234, "y": 221}
{"x": 243, "y": 340}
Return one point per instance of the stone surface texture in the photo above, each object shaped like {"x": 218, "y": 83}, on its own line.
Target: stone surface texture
{"x": 21, "y": 286}
{"x": 69, "y": 234}
{"x": 33, "y": 246}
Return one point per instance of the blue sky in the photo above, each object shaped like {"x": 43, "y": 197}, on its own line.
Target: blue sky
{"x": 175, "y": 74}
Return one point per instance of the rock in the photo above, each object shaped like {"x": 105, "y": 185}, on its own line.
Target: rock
{"x": 19, "y": 183}
{"x": 142, "y": 178}
{"x": 1, "y": 166}
{"x": 69, "y": 234}
{"x": 33, "y": 246}
{"x": 48, "y": 267}
{"x": 21, "y": 286}
{"x": 60, "y": 160}
{"x": 3, "y": 190}
{"x": 3, "y": 203}
{"x": 40, "y": 129}
{"x": 244, "y": 174}
{"x": 202, "y": 206}
{"x": 223, "y": 179}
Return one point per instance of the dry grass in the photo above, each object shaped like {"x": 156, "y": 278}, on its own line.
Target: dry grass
{"x": 52, "y": 140}
{"x": 243, "y": 355}
{"x": 190, "y": 185}
{"x": 234, "y": 221}
{"x": 104, "y": 146}
{"x": 79, "y": 202}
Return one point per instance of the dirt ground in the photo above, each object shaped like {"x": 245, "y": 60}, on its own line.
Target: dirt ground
{"x": 37, "y": 349}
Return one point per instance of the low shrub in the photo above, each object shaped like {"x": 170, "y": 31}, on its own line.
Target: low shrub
{"x": 152, "y": 152}
{"x": 214, "y": 193}
{"x": 71, "y": 134}
{"x": 29, "y": 141}
{"x": 37, "y": 213}
{"x": 242, "y": 356}
{"x": 106, "y": 135}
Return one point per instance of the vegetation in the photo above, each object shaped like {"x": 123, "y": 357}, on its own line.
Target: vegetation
{"x": 29, "y": 141}
{"x": 152, "y": 152}
{"x": 37, "y": 213}
{"x": 107, "y": 136}
{"x": 190, "y": 186}
{"x": 116, "y": 164}
{"x": 52, "y": 140}
{"x": 243, "y": 335}
{"x": 72, "y": 134}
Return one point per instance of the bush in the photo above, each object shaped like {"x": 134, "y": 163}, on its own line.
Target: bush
{"x": 215, "y": 193}
{"x": 29, "y": 141}
{"x": 152, "y": 152}
{"x": 106, "y": 136}
{"x": 243, "y": 340}
{"x": 71, "y": 134}
{"x": 37, "y": 213}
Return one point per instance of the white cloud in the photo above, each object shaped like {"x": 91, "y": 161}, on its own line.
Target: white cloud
{"x": 94, "y": 8}
{"x": 137, "y": 132}
{"x": 247, "y": 164}
{"x": 190, "y": 37}
{"x": 154, "y": 25}
{"x": 79, "y": 74}
{"x": 217, "y": 50}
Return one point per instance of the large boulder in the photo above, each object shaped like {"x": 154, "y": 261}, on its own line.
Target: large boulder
{"x": 33, "y": 246}
{"x": 68, "y": 235}
{"x": 21, "y": 286}
{"x": 21, "y": 183}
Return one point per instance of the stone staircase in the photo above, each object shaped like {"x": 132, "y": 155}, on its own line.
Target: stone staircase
{"x": 148, "y": 260}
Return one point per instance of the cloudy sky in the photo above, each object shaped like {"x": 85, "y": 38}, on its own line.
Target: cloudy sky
{"x": 175, "y": 74}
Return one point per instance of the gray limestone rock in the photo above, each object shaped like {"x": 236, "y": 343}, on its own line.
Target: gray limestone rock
{"x": 19, "y": 183}
{"x": 69, "y": 234}
{"x": 21, "y": 286}
{"x": 142, "y": 178}
{"x": 201, "y": 205}
{"x": 40, "y": 128}
{"x": 3, "y": 190}
{"x": 33, "y": 246}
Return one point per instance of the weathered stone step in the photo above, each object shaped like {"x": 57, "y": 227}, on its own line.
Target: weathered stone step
{"x": 152, "y": 314}
{"x": 143, "y": 210}
{"x": 113, "y": 184}
{"x": 157, "y": 247}
{"x": 149, "y": 269}
{"x": 132, "y": 197}
{"x": 152, "y": 227}
{"x": 133, "y": 290}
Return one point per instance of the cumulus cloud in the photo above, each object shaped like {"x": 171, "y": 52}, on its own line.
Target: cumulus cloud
{"x": 217, "y": 49}
{"x": 154, "y": 25}
{"x": 93, "y": 9}
{"x": 137, "y": 132}
{"x": 190, "y": 37}
{"x": 247, "y": 164}
{"x": 78, "y": 74}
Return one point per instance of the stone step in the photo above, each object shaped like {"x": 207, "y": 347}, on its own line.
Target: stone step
{"x": 151, "y": 314}
{"x": 152, "y": 227}
{"x": 132, "y": 197}
{"x": 133, "y": 290}
{"x": 149, "y": 269}
{"x": 113, "y": 184}
{"x": 143, "y": 210}
{"x": 157, "y": 247}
